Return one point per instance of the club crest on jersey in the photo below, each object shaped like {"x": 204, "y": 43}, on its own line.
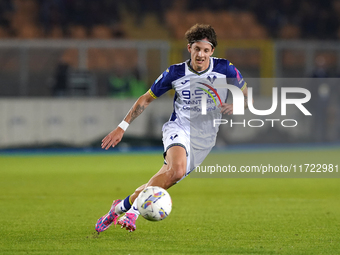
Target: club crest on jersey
{"x": 173, "y": 137}
{"x": 212, "y": 79}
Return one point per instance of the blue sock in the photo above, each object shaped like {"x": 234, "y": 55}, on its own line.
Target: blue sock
{"x": 123, "y": 206}
{"x": 127, "y": 203}
{"x": 134, "y": 209}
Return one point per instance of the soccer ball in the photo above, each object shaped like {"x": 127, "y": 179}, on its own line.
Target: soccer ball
{"x": 154, "y": 203}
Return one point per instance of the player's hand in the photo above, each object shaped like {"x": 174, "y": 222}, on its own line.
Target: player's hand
{"x": 226, "y": 108}
{"x": 113, "y": 138}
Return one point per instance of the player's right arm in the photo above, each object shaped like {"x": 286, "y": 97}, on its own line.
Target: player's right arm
{"x": 116, "y": 135}
{"x": 158, "y": 88}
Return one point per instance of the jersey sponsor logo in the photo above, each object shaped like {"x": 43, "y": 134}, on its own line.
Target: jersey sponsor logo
{"x": 198, "y": 109}
{"x": 194, "y": 98}
{"x": 193, "y": 108}
{"x": 214, "y": 90}
{"x": 184, "y": 82}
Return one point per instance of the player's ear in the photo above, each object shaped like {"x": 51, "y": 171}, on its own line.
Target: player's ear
{"x": 212, "y": 52}
{"x": 189, "y": 47}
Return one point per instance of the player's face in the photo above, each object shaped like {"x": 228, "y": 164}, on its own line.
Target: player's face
{"x": 200, "y": 53}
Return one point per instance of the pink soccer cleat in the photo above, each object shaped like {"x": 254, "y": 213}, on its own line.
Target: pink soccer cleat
{"x": 106, "y": 221}
{"x": 128, "y": 221}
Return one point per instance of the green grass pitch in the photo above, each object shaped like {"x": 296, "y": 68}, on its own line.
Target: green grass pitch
{"x": 49, "y": 204}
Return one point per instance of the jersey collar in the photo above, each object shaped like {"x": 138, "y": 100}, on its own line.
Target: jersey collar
{"x": 195, "y": 72}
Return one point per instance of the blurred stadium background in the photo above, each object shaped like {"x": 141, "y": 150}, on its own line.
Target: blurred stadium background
{"x": 70, "y": 70}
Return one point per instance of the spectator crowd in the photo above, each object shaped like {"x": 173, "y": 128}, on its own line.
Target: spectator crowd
{"x": 314, "y": 19}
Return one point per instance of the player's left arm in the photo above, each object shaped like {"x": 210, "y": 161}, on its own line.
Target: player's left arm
{"x": 228, "y": 108}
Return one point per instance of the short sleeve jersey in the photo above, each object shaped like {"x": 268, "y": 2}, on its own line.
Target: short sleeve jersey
{"x": 189, "y": 86}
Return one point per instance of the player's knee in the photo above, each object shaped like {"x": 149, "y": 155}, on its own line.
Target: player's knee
{"x": 178, "y": 170}
{"x": 140, "y": 189}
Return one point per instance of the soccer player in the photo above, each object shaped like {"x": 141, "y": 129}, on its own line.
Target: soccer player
{"x": 183, "y": 149}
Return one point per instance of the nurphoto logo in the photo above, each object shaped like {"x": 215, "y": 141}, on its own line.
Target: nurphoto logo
{"x": 239, "y": 105}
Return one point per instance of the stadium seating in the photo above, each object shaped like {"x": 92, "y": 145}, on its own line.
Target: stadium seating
{"x": 3, "y": 33}
{"x": 101, "y": 32}
{"x": 78, "y": 32}
{"x": 228, "y": 25}
{"x": 290, "y": 32}
{"x": 230, "y": 20}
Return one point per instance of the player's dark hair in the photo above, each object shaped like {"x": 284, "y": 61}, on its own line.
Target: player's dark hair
{"x": 199, "y": 32}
